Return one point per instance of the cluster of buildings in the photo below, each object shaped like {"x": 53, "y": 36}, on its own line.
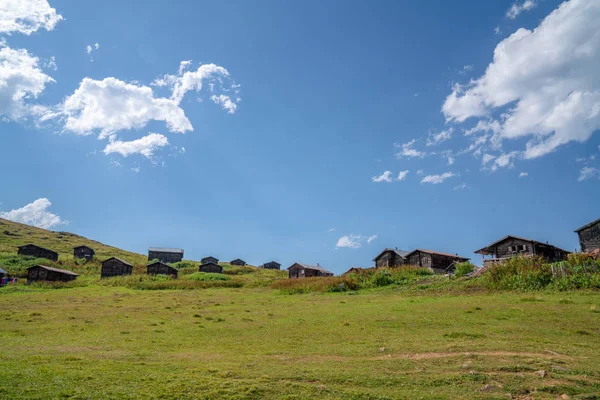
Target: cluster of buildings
{"x": 438, "y": 262}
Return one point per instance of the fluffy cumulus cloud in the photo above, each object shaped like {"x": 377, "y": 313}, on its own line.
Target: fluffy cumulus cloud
{"x": 437, "y": 138}
{"x": 385, "y": 177}
{"x": 145, "y": 146}
{"x": 35, "y": 214}
{"x": 587, "y": 173}
{"x": 544, "y": 83}
{"x": 517, "y": 8}
{"x": 523, "y": 174}
{"x": 354, "y": 241}
{"x": 437, "y": 179}
{"x": 402, "y": 175}
{"x": 21, "y": 79}
{"x": 225, "y": 102}
{"x": 110, "y": 105}
{"x": 89, "y": 48}
{"x": 407, "y": 150}
{"x": 27, "y": 16}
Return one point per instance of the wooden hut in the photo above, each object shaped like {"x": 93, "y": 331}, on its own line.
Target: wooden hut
{"x": 44, "y": 273}
{"x": 160, "y": 268}
{"x": 83, "y": 252}
{"x": 510, "y": 246}
{"x": 209, "y": 259}
{"x": 239, "y": 262}
{"x": 589, "y": 236}
{"x": 271, "y": 265}
{"x": 114, "y": 267}
{"x": 211, "y": 267}
{"x": 298, "y": 270}
{"x": 3, "y": 273}
{"x": 37, "y": 251}
{"x": 391, "y": 258}
{"x": 437, "y": 261}
{"x": 165, "y": 254}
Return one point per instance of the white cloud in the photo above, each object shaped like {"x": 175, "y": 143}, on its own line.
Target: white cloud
{"x": 35, "y": 214}
{"x": 111, "y": 105}
{"x": 385, "y": 177}
{"x": 96, "y": 46}
{"x": 497, "y": 30}
{"x": 331, "y": 230}
{"x": 516, "y": 9}
{"x": 485, "y": 126}
{"x": 192, "y": 80}
{"x": 437, "y": 138}
{"x": 136, "y": 169}
{"x": 436, "y": 179}
{"x": 27, "y": 16}
{"x": 451, "y": 160}
{"x": 487, "y": 158}
{"x": 420, "y": 172}
{"x": 88, "y": 49}
{"x": 468, "y": 68}
{"x": 402, "y": 175}
{"x": 505, "y": 160}
{"x": 547, "y": 77}
{"x": 462, "y": 186}
{"x": 21, "y": 79}
{"x": 354, "y": 241}
{"x": 225, "y": 102}
{"x": 408, "y": 151}
{"x": 145, "y": 146}
{"x": 588, "y": 173}
{"x": 523, "y": 174}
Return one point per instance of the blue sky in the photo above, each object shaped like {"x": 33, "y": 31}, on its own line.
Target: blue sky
{"x": 264, "y": 130}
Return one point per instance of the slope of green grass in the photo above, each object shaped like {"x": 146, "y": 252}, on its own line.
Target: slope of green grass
{"x": 116, "y": 343}
{"x": 13, "y": 234}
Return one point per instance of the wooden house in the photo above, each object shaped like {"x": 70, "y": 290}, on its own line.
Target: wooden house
{"x": 271, "y": 265}
{"x": 437, "y": 261}
{"x": 114, "y": 267}
{"x": 510, "y": 246}
{"x": 44, "y": 273}
{"x": 3, "y": 273}
{"x": 299, "y": 270}
{"x": 164, "y": 254}
{"x": 84, "y": 252}
{"x": 209, "y": 259}
{"x": 239, "y": 262}
{"x": 160, "y": 268}
{"x": 391, "y": 258}
{"x": 211, "y": 267}
{"x": 589, "y": 236}
{"x": 37, "y": 251}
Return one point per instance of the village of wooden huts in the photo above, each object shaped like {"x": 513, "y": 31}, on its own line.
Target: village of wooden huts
{"x": 438, "y": 262}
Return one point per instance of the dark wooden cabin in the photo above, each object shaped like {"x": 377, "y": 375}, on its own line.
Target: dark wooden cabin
{"x": 209, "y": 259}
{"x": 299, "y": 270}
{"x": 44, "y": 273}
{"x": 160, "y": 268}
{"x": 114, "y": 267}
{"x": 37, "y": 251}
{"x": 211, "y": 267}
{"x": 271, "y": 265}
{"x": 589, "y": 236}
{"x": 239, "y": 262}
{"x": 165, "y": 254}
{"x": 391, "y": 258}
{"x": 510, "y": 246}
{"x": 437, "y": 261}
{"x": 3, "y": 273}
{"x": 84, "y": 252}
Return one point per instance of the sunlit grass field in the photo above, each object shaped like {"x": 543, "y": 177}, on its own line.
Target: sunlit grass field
{"x": 103, "y": 342}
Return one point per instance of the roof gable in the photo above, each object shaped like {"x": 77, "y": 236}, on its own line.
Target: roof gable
{"x": 118, "y": 259}
{"x": 439, "y": 253}
{"x": 489, "y": 248}
{"x": 313, "y": 267}
{"x": 60, "y": 271}
{"x": 166, "y": 250}
{"x": 588, "y": 225}
{"x": 400, "y": 253}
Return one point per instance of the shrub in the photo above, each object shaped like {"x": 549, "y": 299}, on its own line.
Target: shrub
{"x": 463, "y": 268}
{"x": 520, "y": 273}
{"x": 207, "y": 276}
{"x": 238, "y": 270}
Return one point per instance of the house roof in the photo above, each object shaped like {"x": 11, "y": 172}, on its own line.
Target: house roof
{"x": 314, "y": 267}
{"x": 3, "y": 272}
{"x": 60, "y": 271}
{"x": 238, "y": 259}
{"x": 588, "y": 225}
{"x": 165, "y": 250}
{"x": 207, "y": 257}
{"x": 79, "y": 247}
{"x": 117, "y": 258}
{"x": 401, "y": 253}
{"x": 272, "y": 262}
{"x": 210, "y": 263}
{"x": 39, "y": 247}
{"x": 489, "y": 248}
{"x": 161, "y": 263}
{"x": 438, "y": 253}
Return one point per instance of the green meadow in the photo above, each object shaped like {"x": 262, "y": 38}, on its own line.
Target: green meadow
{"x": 103, "y": 342}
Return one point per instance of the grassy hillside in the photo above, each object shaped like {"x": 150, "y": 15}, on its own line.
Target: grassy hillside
{"x": 13, "y": 234}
